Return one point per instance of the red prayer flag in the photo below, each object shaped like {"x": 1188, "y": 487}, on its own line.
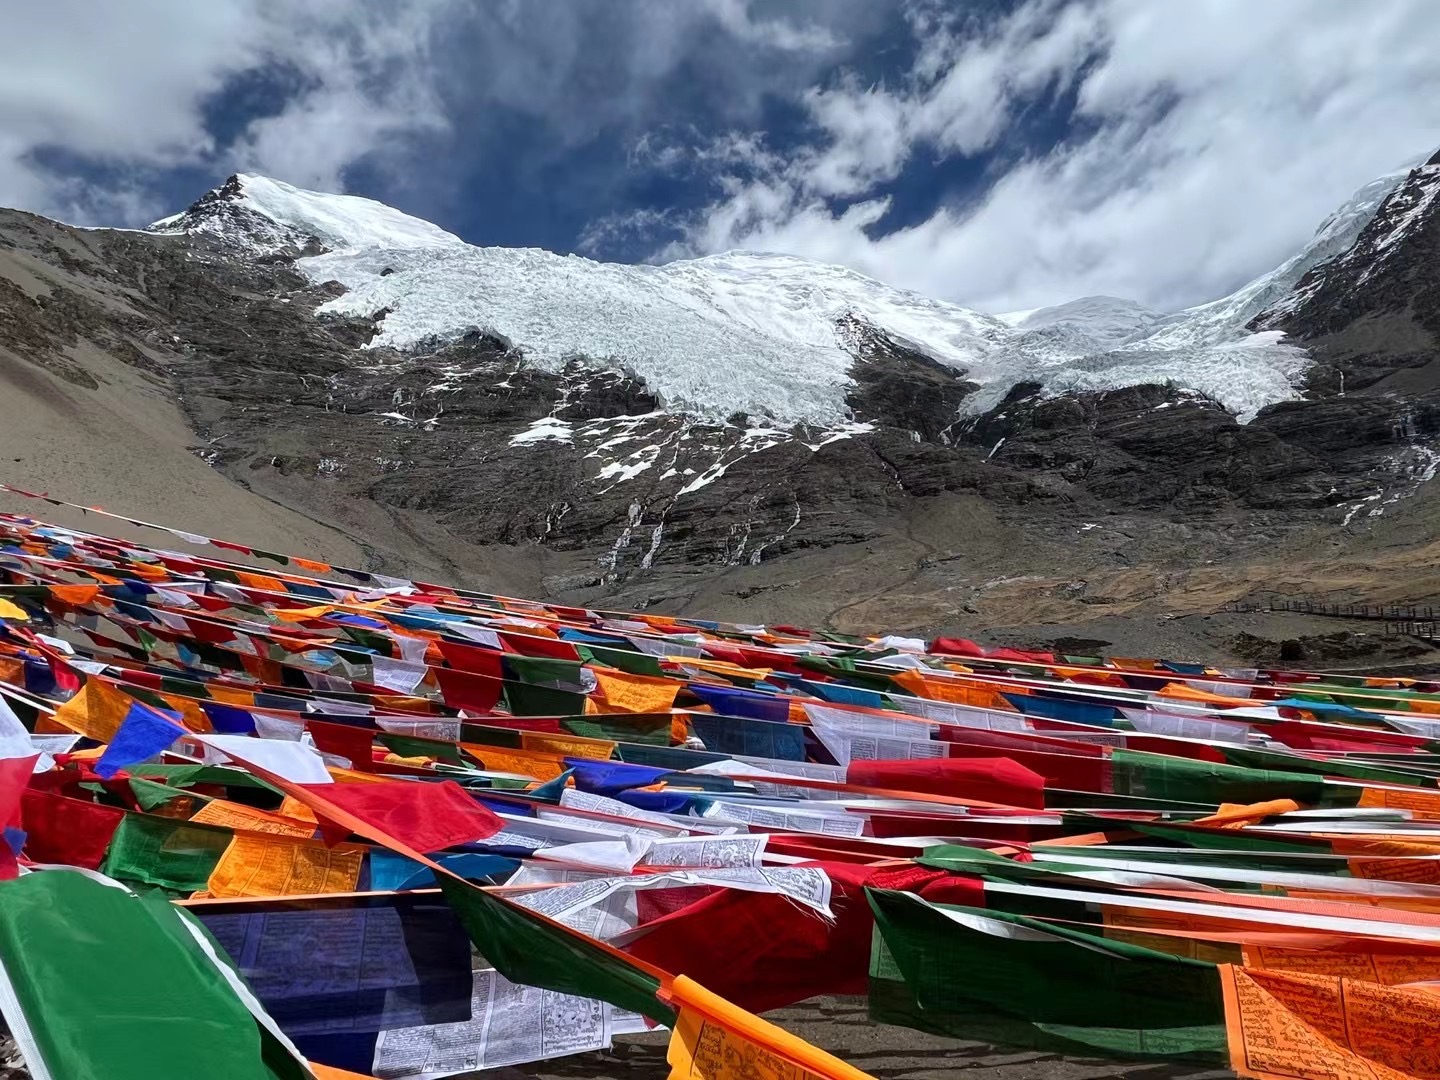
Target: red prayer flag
{"x": 472, "y": 658}
{"x": 762, "y": 950}
{"x": 466, "y": 690}
{"x": 989, "y": 779}
{"x": 422, "y": 815}
{"x": 343, "y": 740}
{"x": 553, "y": 648}
{"x": 63, "y": 830}
{"x": 956, "y": 647}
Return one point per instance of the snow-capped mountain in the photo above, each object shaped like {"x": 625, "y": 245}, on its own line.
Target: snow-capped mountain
{"x": 578, "y": 424}
{"x": 754, "y": 333}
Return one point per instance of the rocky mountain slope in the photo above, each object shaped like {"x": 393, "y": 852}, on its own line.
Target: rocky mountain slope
{"x": 753, "y": 436}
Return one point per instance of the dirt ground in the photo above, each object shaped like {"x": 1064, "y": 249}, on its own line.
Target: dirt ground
{"x": 840, "y": 1025}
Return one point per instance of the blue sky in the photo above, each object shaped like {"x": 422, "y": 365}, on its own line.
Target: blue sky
{"x": 999, "y": 154}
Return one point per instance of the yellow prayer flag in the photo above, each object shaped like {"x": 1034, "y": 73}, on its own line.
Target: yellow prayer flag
{"x": 10, "y": 611}
{"x": 232, "y": 815}
{"x": 96, "y": 711}
{"x": 256, "y": 865}
{"x": 721, "y": 668}
{"x": 567, "y": 745}
{"x": 296, "y": 810}
{"x": 191, "y": 715}
{"x": 624, "y": 692}
{"x": 534, "y": 764}
{"x": 301, "y": 614}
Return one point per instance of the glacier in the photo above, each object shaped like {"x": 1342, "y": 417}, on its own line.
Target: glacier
{"x": 754, "y": 332}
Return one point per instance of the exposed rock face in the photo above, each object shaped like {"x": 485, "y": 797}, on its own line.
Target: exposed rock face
{"x": 1372, "y": 314}
{"x": 898, "y": 387}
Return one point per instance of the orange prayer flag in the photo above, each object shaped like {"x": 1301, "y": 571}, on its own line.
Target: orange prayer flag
{"x": 402, "y": 703}
{"x": 1381, "y": 859}
{"x": 329, "y": 1072}
{"x": 311, "y": 565}
{"x": 1186, "y": 692}
{"x": 260, "y": 581}
{"x": 1425, "y": 804}
{"x": 716, "y": 1040}
{"x": 1388, "y": 969}
{"x": 956, "y": 692}
{"x": 75, "y": 595}
{"x": 148, "y": 571}
{"x": 1287, "y": 1024}
{"x": 1237, "y": 816}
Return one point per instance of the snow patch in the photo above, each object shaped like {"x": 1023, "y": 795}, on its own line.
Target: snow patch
{"x": 546, "y": 429}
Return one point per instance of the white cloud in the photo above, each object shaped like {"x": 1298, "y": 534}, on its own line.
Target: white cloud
{"x": 125, "y": 84}
{"x": 1213, "y": 137}
{"x": 373, "y": 85}
{"x": 781, "y": 33}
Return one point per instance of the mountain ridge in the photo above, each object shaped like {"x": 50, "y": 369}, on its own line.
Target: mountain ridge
{"x": 923, "y": 498}
{"x": 770, "y": 321}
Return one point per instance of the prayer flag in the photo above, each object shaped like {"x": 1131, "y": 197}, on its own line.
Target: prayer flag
{"x": 425, "y": 815}
{"x": 142, "y": 734}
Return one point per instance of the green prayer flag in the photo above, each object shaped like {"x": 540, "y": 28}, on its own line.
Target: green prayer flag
{"x": 178, "y": 855}
{"x": 1017, "y": 981}
{"x": 410, "y": 746}
{"x": 545, "y": 670}
{"x": 652, "y": 729}
{"x": 1255, "y": 758}
{"x": 635, "y": 663}
{"x": 524, "y": 699}
{"x": 527, "y": 950}
{"x": 1164, "y": 777}
{"x": 111, "y": 985}
{"x": 150, "y": 794}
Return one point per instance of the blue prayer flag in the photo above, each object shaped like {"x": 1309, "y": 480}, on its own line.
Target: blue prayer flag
{"x": 143, "y": 733}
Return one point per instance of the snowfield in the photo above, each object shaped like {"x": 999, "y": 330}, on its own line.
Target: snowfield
{"x": 758, "y": 333}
